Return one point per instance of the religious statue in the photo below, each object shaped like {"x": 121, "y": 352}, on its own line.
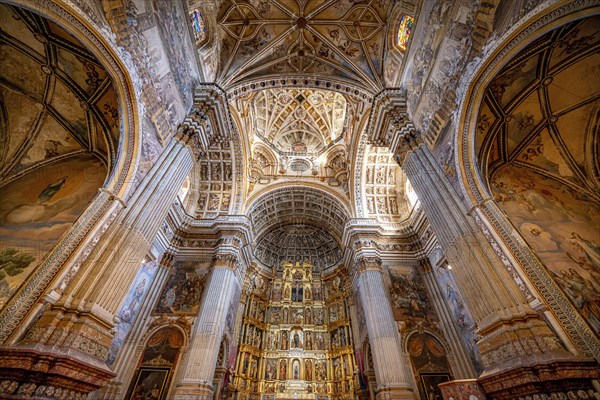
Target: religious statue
{"x": 282, "y": 370}
{"x": 296, "y": 341}
{"x": 308, "y": 370}
{"x": 296, "y": 369}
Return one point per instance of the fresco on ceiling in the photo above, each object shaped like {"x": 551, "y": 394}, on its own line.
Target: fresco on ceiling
{"x": 182, "y": 293}
{"x": 131, "y": 306}
{"x": 37, "y": 209}
{"x": 460, "y": 314}
{"x": 409, "y": 296}
{"x": 561, "y": 226}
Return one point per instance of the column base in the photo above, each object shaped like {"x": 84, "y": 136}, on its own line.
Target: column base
{"x": 26, "y": 373}
{"x": 395, "y": 392}
{"x": 551, "y": 377}
{"x": 193, "y": 392}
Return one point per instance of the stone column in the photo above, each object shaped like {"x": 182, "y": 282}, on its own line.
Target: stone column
{"x": 129, "y": 354}
{"x": 514, "y": 336}
{"x": 74, "y": 333}
{"x": 384, "y": 338}
{"x": 196, "y": 381}
{"x": 459, "y": 359}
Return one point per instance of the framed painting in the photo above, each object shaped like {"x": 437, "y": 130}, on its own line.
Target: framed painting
{"x": 430, "y": 382}
{"x": 149, "y": 384}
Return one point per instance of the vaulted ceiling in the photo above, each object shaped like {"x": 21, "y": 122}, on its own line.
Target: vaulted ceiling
{"x": 299, "y": 121}
{"x": 541, "y": 112}
{"x": 298, "y": 223}
{"x": 55, "y": 98}
{"x": 342, "y": 40}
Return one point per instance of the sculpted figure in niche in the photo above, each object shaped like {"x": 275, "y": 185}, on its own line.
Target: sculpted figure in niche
{"x": 308, "y": 316}
{"x": 284, "y": 340}
{"x": 308, "y": 370}
{"x": 272, "y": 342}
{"x": 296, "y": 369}
{"x": 282, "y": 370}
{"x": 308, "y": 341}
{"x": 297, "y": 340}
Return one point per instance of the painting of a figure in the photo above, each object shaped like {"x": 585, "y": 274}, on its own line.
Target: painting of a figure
{"x": 460, "y": 314}
{"x": 131, "y": 306}
{"x": 149, "y": 384}
{"x": 561, "y": 226}
{"x": 429, "y": 385}
{"x": 37, "y": 209}
{"x": 183, "y": 291}
{"x": 408, "y": 295}
{"x": 296, "y": 339}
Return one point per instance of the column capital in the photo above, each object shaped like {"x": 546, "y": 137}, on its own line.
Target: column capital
{"x": 225, "y": 260}
{"x": 367, "y": 263}
{"x": 195, "y": 131}
{"x": 406, "y": 142}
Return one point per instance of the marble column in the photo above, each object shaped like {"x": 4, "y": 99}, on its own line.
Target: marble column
{"x": 196, "y": 380}
{"x": 384, "y": 338}
{"x": 74, "y": 333}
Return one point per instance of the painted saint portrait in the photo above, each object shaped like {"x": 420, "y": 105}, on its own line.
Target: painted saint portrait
{"x": 38, "y": 209}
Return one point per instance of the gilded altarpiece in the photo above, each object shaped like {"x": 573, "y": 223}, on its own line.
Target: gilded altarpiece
{"x": 296, "y": 339}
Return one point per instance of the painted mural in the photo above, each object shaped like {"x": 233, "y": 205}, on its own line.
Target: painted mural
{"x": 561, "y": 225}
{"x": 408, "y": 296}
{"x": 460, "y": 314}
{"x": 37, "y": 209}
{"x": 131, "y": 306}
{"x": 182, "y": 293}
{"x": 429, "y": 364}
{"x": 158, "y": 361}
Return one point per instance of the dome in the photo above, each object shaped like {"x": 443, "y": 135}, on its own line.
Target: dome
{"x": 298, "y": 242}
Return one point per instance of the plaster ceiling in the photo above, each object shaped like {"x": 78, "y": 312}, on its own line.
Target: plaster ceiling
{"x": 56, "y": 100}
{"x": 340, "y": 40}
{"x": 298, "y": 121}
{"x": 541, "y": 112}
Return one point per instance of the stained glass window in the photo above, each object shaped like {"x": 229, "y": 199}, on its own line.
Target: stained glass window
{"x": 198, "y": 26}
{"x": 404, "y": 29}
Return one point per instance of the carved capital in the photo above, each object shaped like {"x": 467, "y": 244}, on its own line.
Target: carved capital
{"x": 167, "y": 260}
{"x": 368, "y": 263}
{"x": 225, "y": 260}
{"x": 195, "y": 131}
{"x": 406, "y": 142}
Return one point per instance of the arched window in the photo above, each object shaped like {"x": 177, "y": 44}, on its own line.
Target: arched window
{"x": 199, "y": 27}
{"x": 404, "y": 30}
